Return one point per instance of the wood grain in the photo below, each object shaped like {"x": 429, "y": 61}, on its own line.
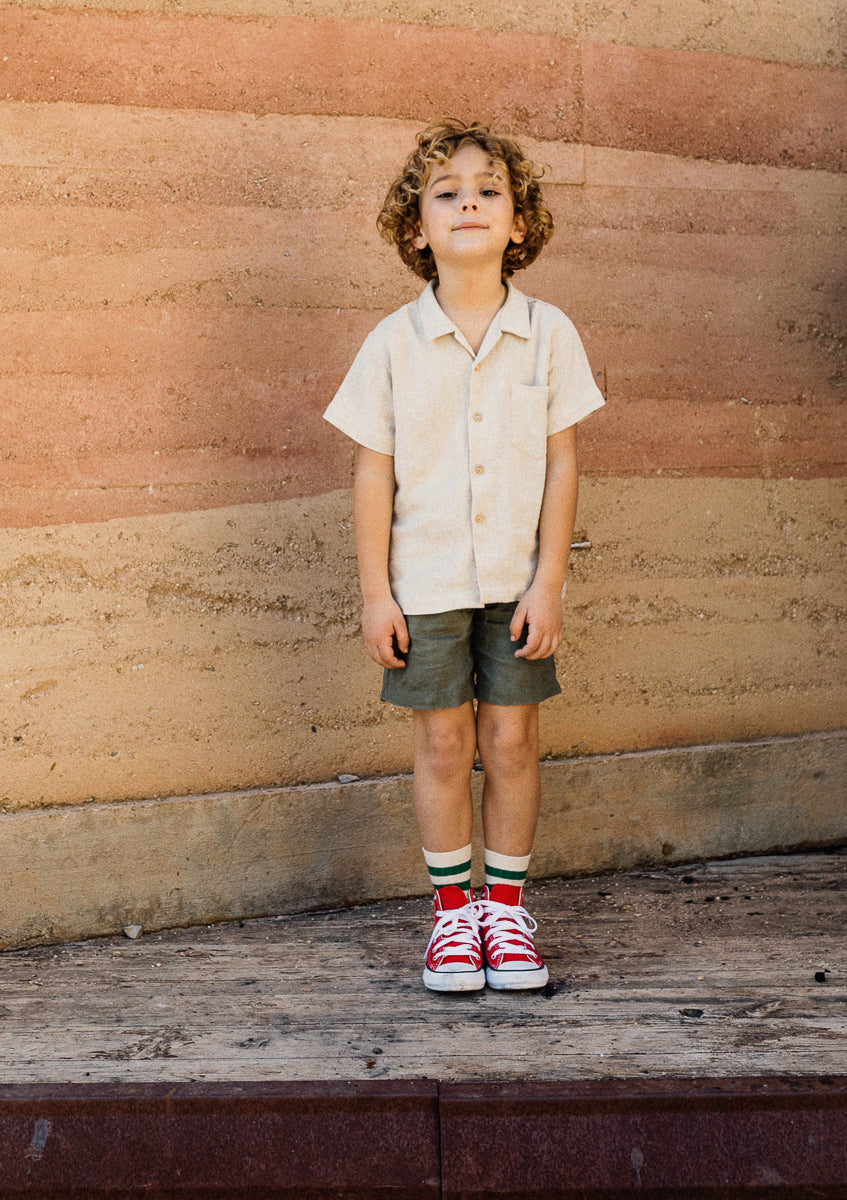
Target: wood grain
{"x": 706, "y": 970}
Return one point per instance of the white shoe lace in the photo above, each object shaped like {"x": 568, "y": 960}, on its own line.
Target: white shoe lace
{"x": 508, "y": 928}
{"x": 456, "y": 934}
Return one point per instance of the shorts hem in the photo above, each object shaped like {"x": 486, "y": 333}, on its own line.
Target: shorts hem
{"x": 546, "y": 693}
{"x": 400, "y": 701}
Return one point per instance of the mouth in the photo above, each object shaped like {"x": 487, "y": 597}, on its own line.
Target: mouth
{"x": 470, "y": 225}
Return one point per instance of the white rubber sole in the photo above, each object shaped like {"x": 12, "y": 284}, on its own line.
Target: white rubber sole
{"x": 516, "y": 981}
{"x": 454, "y": 981}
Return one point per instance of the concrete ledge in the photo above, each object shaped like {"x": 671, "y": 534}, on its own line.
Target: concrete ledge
{"x": 91, "y": 870}
{"x": 683, "y": 1138}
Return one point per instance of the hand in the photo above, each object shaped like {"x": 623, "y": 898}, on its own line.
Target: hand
{"x": 541, "y": 610}
{"x": 382, "y": 622}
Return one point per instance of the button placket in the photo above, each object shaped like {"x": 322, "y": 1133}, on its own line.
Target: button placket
{"x": 476, "y": 451}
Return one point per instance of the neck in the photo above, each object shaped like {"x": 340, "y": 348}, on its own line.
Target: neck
{"x": 471, "y": 301}
{"x": 470, "y": 291}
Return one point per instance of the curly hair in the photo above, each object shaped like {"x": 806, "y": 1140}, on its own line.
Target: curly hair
{"x": 399, "y": 220}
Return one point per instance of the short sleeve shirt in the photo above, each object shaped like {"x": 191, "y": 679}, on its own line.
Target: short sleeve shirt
{"x": 468, "y": 434}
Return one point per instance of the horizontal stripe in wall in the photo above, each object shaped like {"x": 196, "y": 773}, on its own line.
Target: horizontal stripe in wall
{"x": 773, "y": 30}
{"x": 669, "y": 100}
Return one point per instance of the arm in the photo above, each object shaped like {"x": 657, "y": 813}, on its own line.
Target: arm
{"x": 541, "y": 605}
{"x": 373, "y": 504}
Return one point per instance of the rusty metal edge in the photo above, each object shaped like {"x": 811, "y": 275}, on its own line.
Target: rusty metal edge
{"x": 457, "y": 1141}
{"x": 196, "y": 1096}
{"x": 762, "y": 1138}
{"x": 770, "y": 1092}
{"x": 220, "y": 1141}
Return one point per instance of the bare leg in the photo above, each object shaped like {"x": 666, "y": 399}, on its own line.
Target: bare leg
{"x": 445, "y": 744}
{"x": 508, "y": 747}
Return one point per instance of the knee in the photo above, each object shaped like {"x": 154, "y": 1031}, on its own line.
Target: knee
{"x": 446, "y": 748}
{"x": 508, "y": 747}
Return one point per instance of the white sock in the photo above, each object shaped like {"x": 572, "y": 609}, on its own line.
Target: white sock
{"x": 506, "y": 868}
{"x": 452, "y": 867}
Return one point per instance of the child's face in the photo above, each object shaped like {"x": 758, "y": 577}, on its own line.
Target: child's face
{"x": 467, "y": 213}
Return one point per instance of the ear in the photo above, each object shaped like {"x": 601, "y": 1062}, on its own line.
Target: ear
{"x": 419, "y": 241}
{"x": 518, "y": 229}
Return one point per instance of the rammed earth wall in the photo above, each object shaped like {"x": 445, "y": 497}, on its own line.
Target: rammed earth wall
{"x": 189, "y": 262}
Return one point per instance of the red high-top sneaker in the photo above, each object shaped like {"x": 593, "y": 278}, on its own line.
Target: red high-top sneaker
{"x": 454, "y": 953}
{"x": 512, "y": 962}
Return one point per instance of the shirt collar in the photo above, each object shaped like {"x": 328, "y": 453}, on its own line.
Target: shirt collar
{"x": 513, "y": 317}
{"x": 433, "y": 318}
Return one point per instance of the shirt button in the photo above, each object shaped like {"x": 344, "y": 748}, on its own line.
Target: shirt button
{"x": 479, "y": 469}
{"x": 477, "y": 416}
{"x": 479, "y": 518}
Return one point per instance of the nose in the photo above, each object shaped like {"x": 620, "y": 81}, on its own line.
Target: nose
{"x": 469, "y": 202}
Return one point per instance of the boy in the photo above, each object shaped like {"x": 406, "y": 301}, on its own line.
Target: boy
{"x": 463, "y": 406}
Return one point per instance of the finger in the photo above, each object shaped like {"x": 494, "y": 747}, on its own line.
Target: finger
{"x": 389, "y": 656}
{"x": 542, "y": 650}
{"x": 548, "y": 644}
{"x": 376, "y": 653}
{"x": 526, "y": 652}
{"x": 529, "y": 649}
{"x": 517, "y": 622}
{"x": 402, "y": 634}
{"x": 381, "y": 653}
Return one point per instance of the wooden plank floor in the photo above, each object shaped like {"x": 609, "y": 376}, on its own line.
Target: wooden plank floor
{"x": 705, "y": 970}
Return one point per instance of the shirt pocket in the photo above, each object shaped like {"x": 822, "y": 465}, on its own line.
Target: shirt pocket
{"x": 528, "y": 419}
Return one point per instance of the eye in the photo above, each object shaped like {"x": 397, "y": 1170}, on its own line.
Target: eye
{"x": 444, "y": 195}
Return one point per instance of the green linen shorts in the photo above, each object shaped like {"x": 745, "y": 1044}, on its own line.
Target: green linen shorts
{"x": 464, "y": 655}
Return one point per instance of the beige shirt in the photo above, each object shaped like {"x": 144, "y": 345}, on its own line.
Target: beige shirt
{"x": 468, "y": 434}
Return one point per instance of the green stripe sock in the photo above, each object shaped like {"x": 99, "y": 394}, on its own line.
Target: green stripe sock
{"x": 505, "y": 868}
{"x": 452, "y": 867}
